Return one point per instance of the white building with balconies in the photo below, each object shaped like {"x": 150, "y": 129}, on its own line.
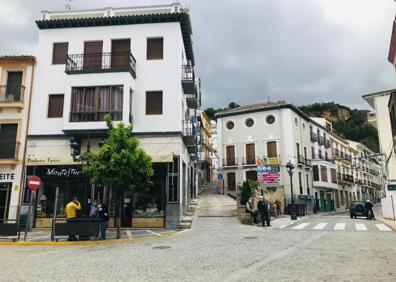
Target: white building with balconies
{"x": 136, "y": 64}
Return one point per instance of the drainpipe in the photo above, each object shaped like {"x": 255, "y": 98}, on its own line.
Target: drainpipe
{"x": 23, "y": 174}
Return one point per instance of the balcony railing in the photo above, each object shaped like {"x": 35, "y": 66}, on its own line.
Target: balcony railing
{"x": 88, "y": 116}
{"x": 308, "y": 162}
{"x": 188, "y": 79}
{"x": 248, "y": 161}
{"x": 327, "y": 143}
{"x": 101, "y": 62}
{"x": 11, "y": 93}
{"x": 314, "y": 137}
{"x": 300, "y": 160}
{"x": 189, "y": 132}
{"x": 335, "y": 152}
{"x": 347, "y": 177}
{"x": 230, "y": 162}
{"x": 9, "y": 150}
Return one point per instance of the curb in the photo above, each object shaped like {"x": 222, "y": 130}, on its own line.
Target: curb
{"x": 67, "y": 243}
{"x": 384, "y": 221}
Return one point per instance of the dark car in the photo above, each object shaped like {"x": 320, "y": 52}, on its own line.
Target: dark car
{"x": 357, "y": 209}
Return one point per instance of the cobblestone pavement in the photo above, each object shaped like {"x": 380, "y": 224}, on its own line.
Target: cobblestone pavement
{"x": 217, "y": 248}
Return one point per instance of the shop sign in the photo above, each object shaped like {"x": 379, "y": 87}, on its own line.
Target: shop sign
{"x": 392, "y": 187}
{"x": 7, "y": 176}
{"x": 63, "y": 172}
{"x": 33, "y": 160}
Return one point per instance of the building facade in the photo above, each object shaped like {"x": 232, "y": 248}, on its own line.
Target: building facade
{"x": 137, "y": 65}
{"x": 16, "y": 81}
{"x": 273, "y": 133}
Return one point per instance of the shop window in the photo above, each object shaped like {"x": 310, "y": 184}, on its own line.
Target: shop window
{"x": 154, "y": 103}
{"x": 59, "y": 55}
{"x": 155, "y": 48}
{"x": 55, "y": 106}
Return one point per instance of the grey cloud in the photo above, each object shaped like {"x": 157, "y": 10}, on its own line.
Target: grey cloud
{"x": 249, "y": 50}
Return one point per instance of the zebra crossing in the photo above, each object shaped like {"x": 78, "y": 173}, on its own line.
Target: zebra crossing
{"x": 336, "y": 226}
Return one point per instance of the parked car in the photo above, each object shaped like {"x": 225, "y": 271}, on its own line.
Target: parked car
{"x": 357, "y": 209}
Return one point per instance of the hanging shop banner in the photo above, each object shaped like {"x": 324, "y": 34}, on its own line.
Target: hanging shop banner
{"x": 268, "y": 171}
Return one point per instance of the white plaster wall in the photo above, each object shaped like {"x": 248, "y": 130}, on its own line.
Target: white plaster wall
{"x": 162, "y": 75}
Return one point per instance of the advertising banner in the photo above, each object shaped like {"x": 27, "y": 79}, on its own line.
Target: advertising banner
{"x": 268, "y": 171}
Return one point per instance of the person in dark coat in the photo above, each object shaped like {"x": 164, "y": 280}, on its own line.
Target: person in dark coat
{"x": 104, "y": 218}
{"x": 369, "y": 210}
{"x": 263, "y": 208}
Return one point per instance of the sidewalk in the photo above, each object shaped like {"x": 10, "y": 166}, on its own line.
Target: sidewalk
{"x": 43, "y": 236}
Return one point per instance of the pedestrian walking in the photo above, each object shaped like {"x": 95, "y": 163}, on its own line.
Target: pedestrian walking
{"x": 263, "y": 208}
{"x": 104, "y": 218}
{"x": 369, "y": 210}
{"x": 71, "y": 214}
{"x": 278, "y": 205}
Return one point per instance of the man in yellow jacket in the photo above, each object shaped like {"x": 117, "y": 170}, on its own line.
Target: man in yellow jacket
{"x": 71, "y": 213}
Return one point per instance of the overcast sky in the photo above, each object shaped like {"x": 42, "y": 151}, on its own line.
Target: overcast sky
{"x": 250, "y": 51}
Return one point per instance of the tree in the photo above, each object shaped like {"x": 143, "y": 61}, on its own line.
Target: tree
{"x": 119, "y": 163}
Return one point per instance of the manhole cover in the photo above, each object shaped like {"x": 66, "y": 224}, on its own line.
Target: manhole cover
{"x": 162, "y": 247}
{"x": 250, "y": 237}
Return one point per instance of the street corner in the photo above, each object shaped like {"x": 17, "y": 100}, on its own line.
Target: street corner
{"x": 388, "y": 222}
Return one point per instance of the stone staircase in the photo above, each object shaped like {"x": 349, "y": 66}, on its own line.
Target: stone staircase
{"x": 187, "y": 219}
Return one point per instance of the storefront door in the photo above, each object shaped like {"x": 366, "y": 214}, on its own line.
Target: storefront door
{"x": 5, "y": 192}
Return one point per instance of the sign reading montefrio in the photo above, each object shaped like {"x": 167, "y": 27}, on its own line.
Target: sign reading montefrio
{"x": 63, "y": 172}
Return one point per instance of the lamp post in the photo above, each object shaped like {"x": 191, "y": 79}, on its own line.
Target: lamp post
{"x": 290, "y": 168}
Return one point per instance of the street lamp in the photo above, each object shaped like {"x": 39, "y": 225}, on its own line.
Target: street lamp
{"x": 290, "y": 168}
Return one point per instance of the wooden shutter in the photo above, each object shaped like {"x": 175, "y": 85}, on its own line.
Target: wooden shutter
{"x": 59, "y": 55}
{"x": 120, "y": 50}
{"x": 231, "y": 181}
{"x": 250, "y": 154}
{"x": 315, "y": 173}
{"x": 8, "y": 139}
{"x": 93, "y": 55}
{"x": 154, "y": 103}
{"x": 230, "y": 153}
{"x": 251, "y": 175}
{"x": 55, "y": 106}
{"x": 271, "y": 149}
{"x": 155, "y": 48}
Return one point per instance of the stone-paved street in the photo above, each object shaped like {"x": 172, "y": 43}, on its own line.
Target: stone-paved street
{"x": 218, "y": 248}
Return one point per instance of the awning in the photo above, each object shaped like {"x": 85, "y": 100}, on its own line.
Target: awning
{"x": 161, "y": 158}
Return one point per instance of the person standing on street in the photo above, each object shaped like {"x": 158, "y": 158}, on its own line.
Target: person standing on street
{"x": 104, "y": 218}
{"x": 71, "y": 214}
{"x": 369, "y": 210}
{"x": 278, "y": 205}
{"x": 262, "y": 206}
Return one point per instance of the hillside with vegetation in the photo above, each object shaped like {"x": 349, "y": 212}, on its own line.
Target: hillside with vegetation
{"x": 349, "y": 123}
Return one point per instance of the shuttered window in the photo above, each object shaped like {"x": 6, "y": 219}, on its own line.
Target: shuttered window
{"x": 333, "y": 175}
{"x": 59, "y": 54}
{"x": 155, "y": 48}
{"x": 55, "y": 106}
{"x": 230, "y": 153}
{"x": 323, "y": 173}
{"x": 251, "y": 175}
{"x": 154, "y": 103}
{"x": 315, "y": 173}
{"x": 271, "y": 149}
{"x": 250, "y": 154}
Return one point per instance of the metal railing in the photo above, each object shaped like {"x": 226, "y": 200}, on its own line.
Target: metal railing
{"x": 12, "y": 93}
{"x": 9, "y": 150}
{"x": 314, "y": 137}
{"x": 248, "y": 161}
{"x": 188, "y": 128}
{"x": 87, "y": 116}
{"x": 101, "y": 62}
{"x": 230, "y": 162}
{"x": 188, "y": 73}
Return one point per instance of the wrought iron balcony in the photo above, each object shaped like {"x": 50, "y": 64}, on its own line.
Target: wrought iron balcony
{"x": 188, "y": 79}
{"x": 12, "y": 93}
{"x": 314, "y": 137}
{"x": 189, "y": 133}
{"x": 300, "y": 160}
{"x": 9, "y": 150}
{"x": 230, "y": 162}
{"x": 101, "y": 62}
{"x": 89, "y": 116}
{"x": 192, "y": 101}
